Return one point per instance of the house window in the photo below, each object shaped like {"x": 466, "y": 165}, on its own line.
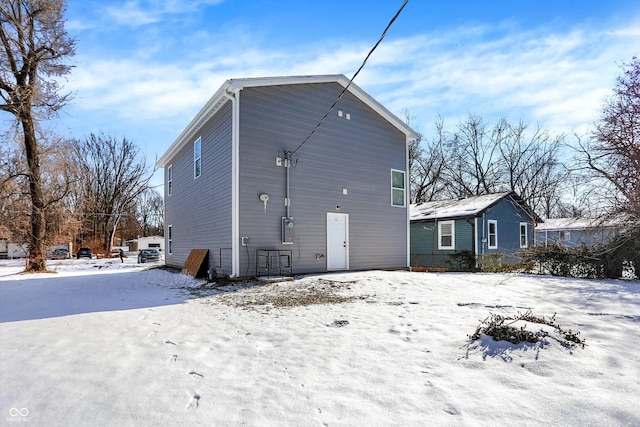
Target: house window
{"x": 170, "y": 238}
{"x": 446, "y": 235}
{"x": 170, "y": 180}
{"x": 524, "y": 239}
{"x": 197, "y": 158}
{"x": 565, "y": 235}
{"x": 493, "y": 234}
{"x": 397, "y": 188}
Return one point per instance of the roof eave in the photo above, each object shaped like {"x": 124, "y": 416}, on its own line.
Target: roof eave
{"x": 235, "y": 85}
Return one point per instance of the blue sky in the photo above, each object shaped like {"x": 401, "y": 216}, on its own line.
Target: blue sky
{"x": 143, "y": 68}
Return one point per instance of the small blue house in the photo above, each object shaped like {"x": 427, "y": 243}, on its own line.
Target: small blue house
{"x": 492, "y": 223}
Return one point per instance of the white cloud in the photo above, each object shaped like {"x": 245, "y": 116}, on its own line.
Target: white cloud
{"x": 136, "y": 13}
{"x": 555, "y": 78}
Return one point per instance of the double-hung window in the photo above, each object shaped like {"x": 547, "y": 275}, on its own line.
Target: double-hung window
{"x": 170, "y": 180}
{"x": 524, "y": 239}
{"x": 197, "y": 158}
{"x": 170, "y": 238}
{"x": 397, "y": 188}
{"x": 446, "y": 235}
{"x": 493, "y": 234}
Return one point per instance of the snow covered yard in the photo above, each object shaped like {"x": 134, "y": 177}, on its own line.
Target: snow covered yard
{"x": 104, "y": 343}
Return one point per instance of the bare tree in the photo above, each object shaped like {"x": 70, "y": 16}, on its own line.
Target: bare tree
{"x": 531, "y": 166}
{"x": 34, "y": 48}
{"x": 112, "y": 175}
{"x": 427, "y": 167}
{"x": 475, "y": 165}
{"x": 150, "y": 212}
{"x": 477, "y": 159}
{"x": 613, "y": 153}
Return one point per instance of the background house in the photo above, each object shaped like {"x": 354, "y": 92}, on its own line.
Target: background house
{"x": 243, "y": 181}
{"x": 573, "y": 232}
{"x": 493, "y": 223}
{"x": 11, "y": 250}
{"x": 149, "y": 242}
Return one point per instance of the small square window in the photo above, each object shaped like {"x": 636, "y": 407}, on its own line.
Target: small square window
{"x": 446, "y": 235}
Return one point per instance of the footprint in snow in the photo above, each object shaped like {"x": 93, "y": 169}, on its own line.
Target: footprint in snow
{"x": 451, "y": 410}
{"x": 193, "y": 402}
{"x": 167, "y": 342}
{"x": 194, "y": 374}
{"x": 173, "y": 358}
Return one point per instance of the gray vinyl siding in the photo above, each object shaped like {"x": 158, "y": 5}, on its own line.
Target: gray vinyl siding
{"x": 199, "y": 210}
{"x": 356, "y": 155}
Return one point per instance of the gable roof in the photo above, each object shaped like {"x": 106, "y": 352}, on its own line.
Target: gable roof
{"x": 461, "y": 208}
{"x": 232, "y": 87}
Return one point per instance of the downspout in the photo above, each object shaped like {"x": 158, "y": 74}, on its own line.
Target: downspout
{"x": 233, "y": 95}
{"x": 484, "y": 237}
{"x": 474, "y": 237}
{"x": 287, "y": 197}
{"x": 408, "y": 201}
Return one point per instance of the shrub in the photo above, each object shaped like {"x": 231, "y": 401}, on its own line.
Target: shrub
{"x": 462, "y": 261}
{"x": 493, "y": 262}
{"x": 606, "y": 260}
{"x": 501, "y": 328}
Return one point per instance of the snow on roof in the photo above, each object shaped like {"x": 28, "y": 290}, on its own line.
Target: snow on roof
{"x": 455, "y": 208}
{"x": 582, "y": 223}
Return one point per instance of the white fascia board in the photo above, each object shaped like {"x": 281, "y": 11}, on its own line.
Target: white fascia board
{"x": 210, "y": 108}
{"x": 410, "y": 134}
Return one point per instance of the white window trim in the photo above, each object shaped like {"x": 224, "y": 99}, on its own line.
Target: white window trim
{"x": 170, "y": 180}
{"x": 453, "y": 235}
{"x": 404, "y": 188}
{"x": 195, "y": 159}
{"x": 494, "y": 222}
{"x": 526, "y": 235}
{"x": 170, "y": 239}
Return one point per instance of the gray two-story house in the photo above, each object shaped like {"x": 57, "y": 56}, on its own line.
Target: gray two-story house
{"x": 268, "y": 177}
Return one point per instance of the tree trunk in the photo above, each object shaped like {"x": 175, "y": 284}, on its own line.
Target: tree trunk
{"x": 37, "y": 260}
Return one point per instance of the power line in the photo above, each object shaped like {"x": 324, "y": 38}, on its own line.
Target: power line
{"x": 384, "y": 33}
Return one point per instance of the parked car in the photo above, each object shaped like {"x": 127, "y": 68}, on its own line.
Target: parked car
{"x": 60, "y": 254}
{"x": 84, "y": 253}
{"x": 148, "y": 255}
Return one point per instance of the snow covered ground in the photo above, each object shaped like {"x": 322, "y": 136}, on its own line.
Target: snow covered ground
{"x": 105, "y": 343}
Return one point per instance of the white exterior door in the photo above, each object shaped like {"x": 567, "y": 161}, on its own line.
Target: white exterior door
{"x": 337, "y": 241}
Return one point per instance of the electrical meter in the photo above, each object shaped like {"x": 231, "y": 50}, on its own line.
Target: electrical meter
{"x": 287, "y": 230}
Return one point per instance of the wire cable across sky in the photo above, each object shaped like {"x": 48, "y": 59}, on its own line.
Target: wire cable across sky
{"x": 384, "y": 33}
